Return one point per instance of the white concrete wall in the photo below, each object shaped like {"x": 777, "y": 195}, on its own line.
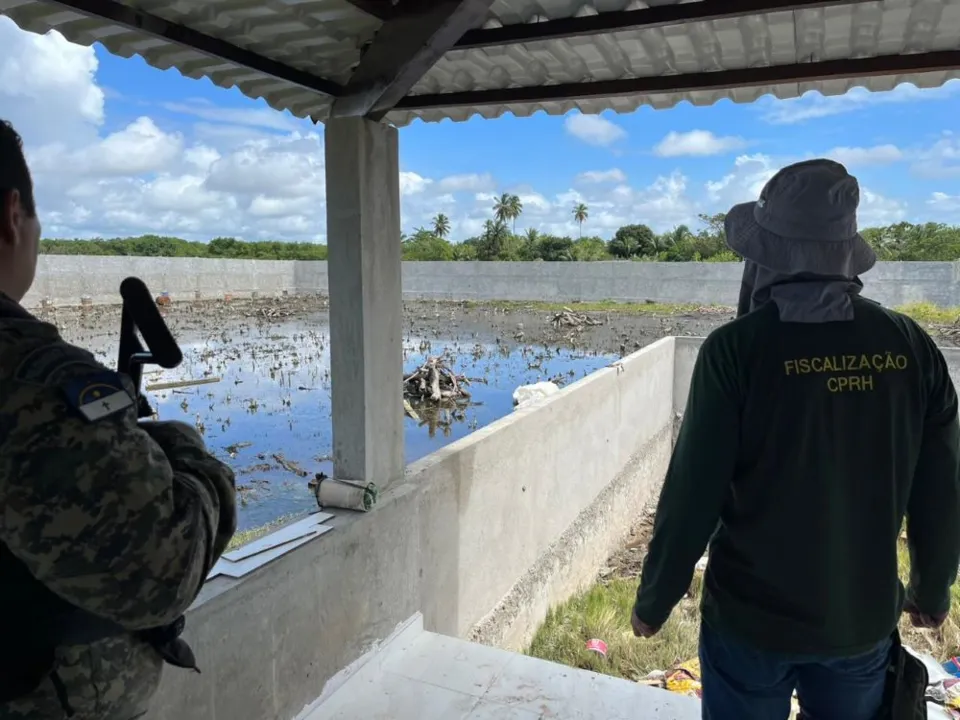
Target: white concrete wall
{"x": 482, "y": 537}
{"x": 64, "y": 279}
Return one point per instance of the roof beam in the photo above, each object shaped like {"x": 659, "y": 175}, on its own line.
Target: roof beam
{"x": 403, "y": 51}
{"x": 718, "y": 80}
{"x": 380, "y": 9}
{"x": 652, "y": 17}
{"x": 141, "y": 22}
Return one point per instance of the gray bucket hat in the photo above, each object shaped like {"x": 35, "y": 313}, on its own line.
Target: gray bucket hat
{"x": 804, "y": 222}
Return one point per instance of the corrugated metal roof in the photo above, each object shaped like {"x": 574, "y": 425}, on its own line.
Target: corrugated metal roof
{"x": 320, "y": 37}
{"x": 324, "y": 37}
{"x": 862, "y": 30}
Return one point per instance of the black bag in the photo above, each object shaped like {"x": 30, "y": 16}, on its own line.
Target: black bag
{"x": 907, "y": 680}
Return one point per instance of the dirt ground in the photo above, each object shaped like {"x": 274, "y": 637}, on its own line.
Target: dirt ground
{"x": 610, "y": 328}
{"x": 616, "y": 331}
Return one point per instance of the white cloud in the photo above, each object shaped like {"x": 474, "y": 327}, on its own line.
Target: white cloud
{"x": 877, "y": 210}
{"x": 534, "y": 202}
{"x": 744, "y": 183}
{"x": 283, "y": 166}
{"x": 876, "y": 155}
{"x": 662, "y": 205}
{"x": 751, "y": 172}
{"x": 472, "y": 182}
{"x": 940, "y": 160}
{"x": 602, "y": 176}
{"x": 263, "y": 117}
{"x": 813, "y": 105}
{"x": 201, "y": 157}
{"x": 698, "y": 143}
{"x": 139, "y": 148}
{"x": 943, "y": 204}
{"x": 411, "y": 183}
{"x": 47, "y": 87}
{"x": 594, "y": 129}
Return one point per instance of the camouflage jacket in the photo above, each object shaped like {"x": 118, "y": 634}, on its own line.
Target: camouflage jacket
{"x": 120, "y": 518}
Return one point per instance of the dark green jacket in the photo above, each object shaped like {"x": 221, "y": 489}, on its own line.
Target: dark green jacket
{"x": 802, "y": 449}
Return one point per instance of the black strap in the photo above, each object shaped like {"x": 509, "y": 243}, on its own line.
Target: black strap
{"x": 61, "y": 690}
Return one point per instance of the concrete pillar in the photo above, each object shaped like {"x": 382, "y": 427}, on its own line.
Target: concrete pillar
{"x": 366, "y": 304}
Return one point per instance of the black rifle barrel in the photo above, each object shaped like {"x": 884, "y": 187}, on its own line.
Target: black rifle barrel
{"x": 140, "y": 312}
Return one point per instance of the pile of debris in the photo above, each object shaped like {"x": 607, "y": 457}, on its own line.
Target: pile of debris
{"x": 434, "y": 382}
{"x": 273, "y": 309}
{"x": 715, "y": 310}
{"x": 570, "y": 319}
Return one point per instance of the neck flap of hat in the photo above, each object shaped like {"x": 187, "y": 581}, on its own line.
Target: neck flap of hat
{"x": 801, "y": 298}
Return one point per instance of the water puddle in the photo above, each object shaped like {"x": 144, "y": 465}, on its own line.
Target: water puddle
{"x": 269, "y": 414}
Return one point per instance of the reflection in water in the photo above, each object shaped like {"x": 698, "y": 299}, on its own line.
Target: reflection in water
{"x": 438, "y": 418}
{"x": 269, "y": 416}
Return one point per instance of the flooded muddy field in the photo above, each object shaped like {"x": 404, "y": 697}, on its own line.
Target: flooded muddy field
{"x": 265, "y": 404}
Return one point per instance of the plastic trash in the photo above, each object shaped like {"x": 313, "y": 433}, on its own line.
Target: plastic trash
{"x": 526, "y": 394}
{"x": 936, "y": 712}
{"x": 597, "y": 646}
{"x": 943, "y": 688}
{"x": 935, "y": 671}
{"x": 952, "y": 666}
{"x": 684, "y": 679}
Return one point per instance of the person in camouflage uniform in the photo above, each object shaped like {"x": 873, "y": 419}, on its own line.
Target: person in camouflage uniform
{"x": 118, "y": 518}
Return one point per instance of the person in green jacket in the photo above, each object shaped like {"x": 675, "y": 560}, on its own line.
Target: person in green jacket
{"x": 817, "y": 422}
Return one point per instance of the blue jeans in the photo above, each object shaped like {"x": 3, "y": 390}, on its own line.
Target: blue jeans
{"x": 743, "y": 683}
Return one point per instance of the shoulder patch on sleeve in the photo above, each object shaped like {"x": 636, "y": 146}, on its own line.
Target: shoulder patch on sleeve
{"x": 98, "y": 395}
{"x": 45, "y": 363}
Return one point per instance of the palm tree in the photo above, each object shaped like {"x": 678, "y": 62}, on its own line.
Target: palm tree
{"x": 676, "y": 237}
{"x": 580, "y": 214}
{"x": 680, "y": 234}
{"x": 530, "y": 239}
{"x": 508, "y": 207}
{"x": 516, "y": 208}
{"x": 441, "y": 225}
{"x": 501, "y": 208}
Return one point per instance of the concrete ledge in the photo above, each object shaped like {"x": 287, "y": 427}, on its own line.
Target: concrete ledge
{"x": 268, "y": 643}
{"x": 529, "y": 505}
{"x": 505, "y": 494}
{"x": 571, "y": 563}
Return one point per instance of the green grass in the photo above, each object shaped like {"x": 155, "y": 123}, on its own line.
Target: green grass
{"x": 645, "y": 308}
{"x": 923, "y": 312}
{"x": 943, "y": 643}
{"x": 603, "y": 612}
{"x": 929, "y": 314}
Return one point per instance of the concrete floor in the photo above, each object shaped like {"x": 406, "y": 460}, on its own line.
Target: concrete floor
{"x": 423, "y": 676}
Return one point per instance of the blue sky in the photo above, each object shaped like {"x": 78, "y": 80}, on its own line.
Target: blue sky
{"x": 120, "y": 148}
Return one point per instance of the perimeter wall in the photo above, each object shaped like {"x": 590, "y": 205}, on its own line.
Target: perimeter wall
{"x": 67, "y": 279}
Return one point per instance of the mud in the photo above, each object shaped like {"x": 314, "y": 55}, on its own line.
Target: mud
{"x": 265, "y": 405}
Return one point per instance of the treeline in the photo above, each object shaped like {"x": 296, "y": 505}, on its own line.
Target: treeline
{"x": 498, "y": 241}
{"x": 162, "y": 246}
